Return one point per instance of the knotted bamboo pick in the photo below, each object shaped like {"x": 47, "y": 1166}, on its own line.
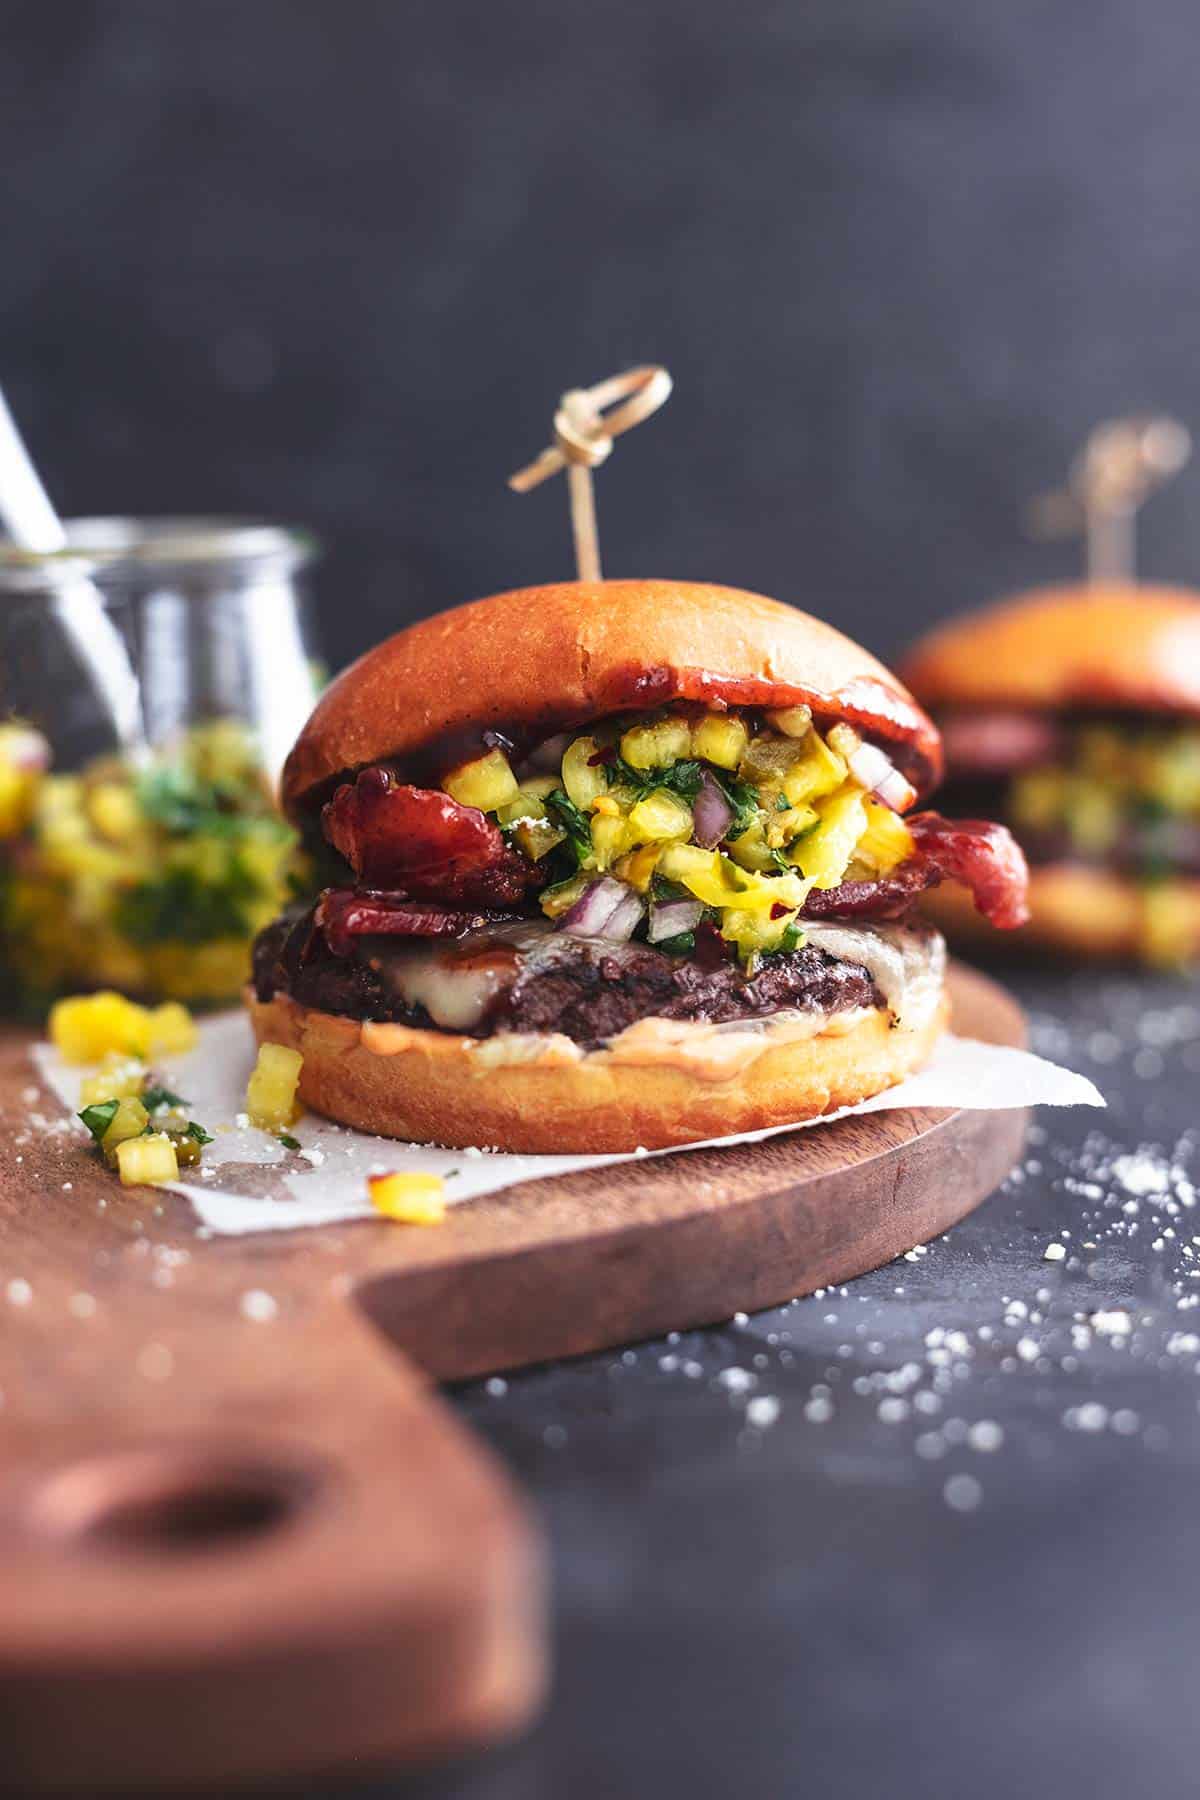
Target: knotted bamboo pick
{"x": 583, "y": 438}
{"x": 1120, "y": 466}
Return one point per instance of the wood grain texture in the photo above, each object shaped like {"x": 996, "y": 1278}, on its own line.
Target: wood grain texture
{"x": 234, "y": 1546}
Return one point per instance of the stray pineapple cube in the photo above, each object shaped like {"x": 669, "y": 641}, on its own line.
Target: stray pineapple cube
{"x": 147, "y": 1161}
{"x": 117, "y": 1078}
{"x": 87, "y": 1027}
{"x": 409, "y": 1199}
{"x": 271, "y": 1092}
{"x": 129, "y": 1121}
{"x": 172, "y": 1030}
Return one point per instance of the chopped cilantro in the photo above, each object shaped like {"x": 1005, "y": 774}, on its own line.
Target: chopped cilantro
{"x": 791, "y": 938}
{"x": 782, "y": 803}
{"x": 154, "y": 1097}
{"x": 579, "y": 836}
{"x": 681, "y": 778}
{"x": 197, "y": 1133}
{"x": 742, "y": 796}
{"x": 682, "y": 944}
{"x": 99, "y": 1117}
{"x": 285, "y": 1138}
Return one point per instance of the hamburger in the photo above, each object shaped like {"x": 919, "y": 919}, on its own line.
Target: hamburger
{"x": 611, "y": 865}
{"x": 1073, "y": 714}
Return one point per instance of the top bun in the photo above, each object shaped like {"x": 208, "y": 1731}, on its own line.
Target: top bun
{"x": 545, "y": 659}
{"x": 1123, "y": 647}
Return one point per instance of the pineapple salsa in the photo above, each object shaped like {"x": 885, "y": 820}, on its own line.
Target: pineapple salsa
{"x": 153, "y": 880}
{"x": 700, "y": 818}
{"x": 1116, "y": 790}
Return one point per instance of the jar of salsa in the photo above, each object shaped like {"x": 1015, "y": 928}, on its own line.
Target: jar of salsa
{"x": 153, "y": 676}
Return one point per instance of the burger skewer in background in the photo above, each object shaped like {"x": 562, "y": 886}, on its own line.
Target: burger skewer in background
{"x": 1073, "y": 714}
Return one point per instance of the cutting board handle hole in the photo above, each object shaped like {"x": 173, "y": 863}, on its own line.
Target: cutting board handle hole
{"x": 168, "y": 1503}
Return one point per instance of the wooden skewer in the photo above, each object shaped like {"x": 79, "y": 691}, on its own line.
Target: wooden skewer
{"x": 1120, "y": 466}
{"x": 587, "y": 421}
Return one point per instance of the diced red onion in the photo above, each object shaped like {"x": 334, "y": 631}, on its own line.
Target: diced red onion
{"x": 608, "y": 909}
{"x": 873, "y": 769}
{"x": 625, "y": 919}
{"x": 672, "y": 918}
{"x": 711, "y": 813}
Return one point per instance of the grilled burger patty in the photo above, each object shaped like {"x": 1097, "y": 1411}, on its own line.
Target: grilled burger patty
{"x": 525, "y": 978}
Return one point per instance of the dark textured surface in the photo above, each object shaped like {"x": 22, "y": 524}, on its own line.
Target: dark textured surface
{"x": 337, "y": 261}
{"x": 796, "y": 1608}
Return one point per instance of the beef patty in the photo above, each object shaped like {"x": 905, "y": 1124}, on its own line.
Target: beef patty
{"x": 585, "y": 988}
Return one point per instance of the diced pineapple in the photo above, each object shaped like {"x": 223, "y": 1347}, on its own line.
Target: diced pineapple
{"x": 556, "y": 900}
{"x": 147, "y": 1161}
{"x": 610, "y": 839}
{"x": 583, "y": 778}
{"x": 660, "y": 815}
{"x": 823, "y": 853}
{"x": 409, "y": 1199}
{"x": 529, "y": 801}
{"x": 271, "y": 1092}
{"x": 114, "y": 811}
{"x": 767, "y": 759}
{"x": 792, "y": 721}
{"x": 755, "y": 933}
{"x": 637, "y": 868}
{"x": 657, "y": 745}
{"x": 720, "y": 739}
{"x": 171, "y": 1030}
{"x": 887, "y": 841}
{"x": 538, "y": 837}
{"x": 87, "y": 1026}
{"x": 818, "y": 770}
{"x": 751, "y": 850}
{"x": 118, "y": 1078}
{"x": 129, "y": 1121}
{"x": 786, "y": 825}
{"x": 486, "y": 783}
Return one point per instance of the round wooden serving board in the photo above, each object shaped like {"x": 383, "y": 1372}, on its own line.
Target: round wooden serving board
{"x": 235, "y": 1546}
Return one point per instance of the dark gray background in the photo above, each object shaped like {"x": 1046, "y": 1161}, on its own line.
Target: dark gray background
{"x": 334, "y": 260}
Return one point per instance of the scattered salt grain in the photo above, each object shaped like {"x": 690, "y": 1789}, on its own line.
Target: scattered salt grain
{"x": 496, "y": 1386}
{"x": 762, "y": 1411}
{"x": 962, "y": 1493}
{"x": 1054, "y": 1253}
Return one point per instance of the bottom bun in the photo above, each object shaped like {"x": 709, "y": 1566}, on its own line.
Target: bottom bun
{"x": 1086, "y": 912}
{"x": 664, "y": 1083}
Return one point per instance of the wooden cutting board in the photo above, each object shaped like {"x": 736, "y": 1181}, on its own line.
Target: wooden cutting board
{"x": 241, "y": 1536}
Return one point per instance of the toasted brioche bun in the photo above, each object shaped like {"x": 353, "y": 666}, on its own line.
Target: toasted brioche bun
{"x": 547, "y": 658}
{"x": 1054, "y": 649}
{"x": 1080, "y": 909}
{"x": 434, "y": 1088}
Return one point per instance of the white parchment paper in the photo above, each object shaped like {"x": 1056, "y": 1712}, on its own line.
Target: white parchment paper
{"x": 252, "y": 1183}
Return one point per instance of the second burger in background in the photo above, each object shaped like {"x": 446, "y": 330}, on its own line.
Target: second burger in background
{"x": 1073, "y": 714}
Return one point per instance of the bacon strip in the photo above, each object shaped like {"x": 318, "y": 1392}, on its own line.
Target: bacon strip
{"x": 424, "y": 845}
{"x": 344, "y": 914}
{"x": 984, "y": 856}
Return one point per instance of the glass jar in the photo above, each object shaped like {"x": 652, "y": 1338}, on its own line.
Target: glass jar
{"x": 153, "y": 676}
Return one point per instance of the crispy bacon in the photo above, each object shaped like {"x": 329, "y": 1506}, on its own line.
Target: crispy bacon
{"x": 885, "y": 899}
{"x": 984, "y": 856}
{"x": 423, "y": 844}
{"x": 344, "y": 914}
